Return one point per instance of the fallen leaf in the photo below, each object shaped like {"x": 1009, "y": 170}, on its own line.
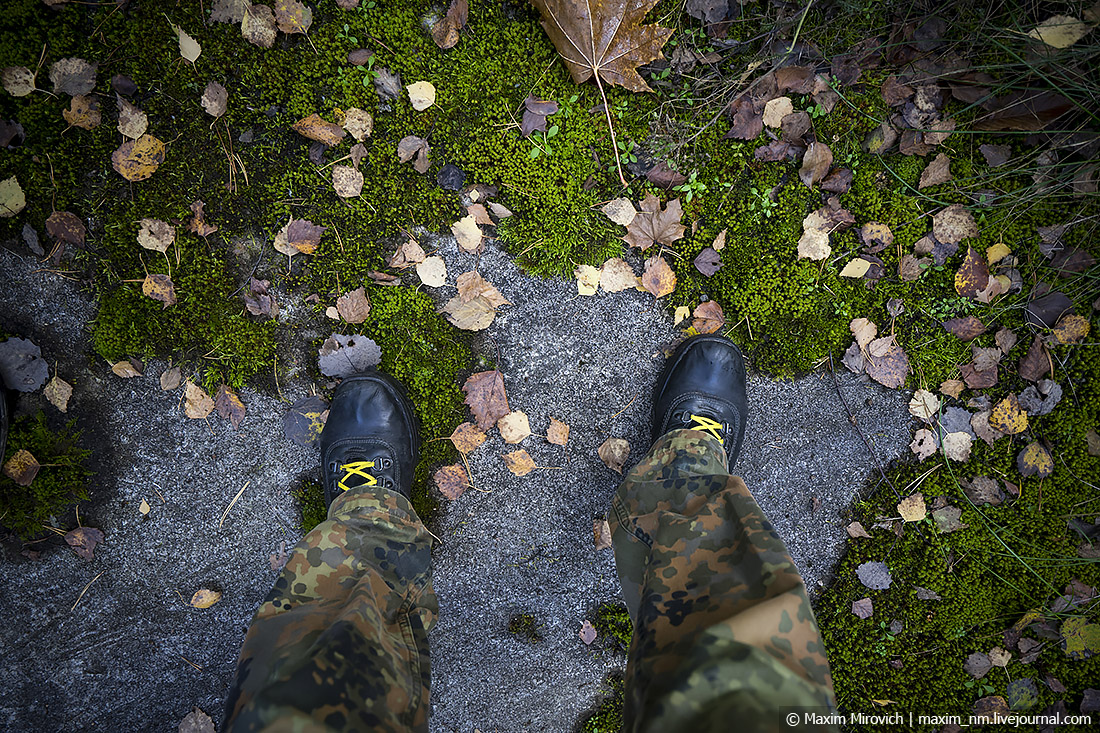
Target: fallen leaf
{"x": 205, "y": 598}
{"x": 258, "y": 300}
{"x": 519, "y": 462}
{"x": 708, "y": 317}
{"x": 514, "y": 427}
{"x": 951, "y": 387}
{"x": 292, "y": 16}
{"x": 258, "y": 25}
{"x": 912, "y": 508}
{"x": 857, "y": 268}
{"x": 197, "y": 721}
{"x": 966, "y": 328}
{"x": 67, "y": 227}
{"x": 228, "y": 11}
{"x": 1035, "y": 460}
{"x": 815, "y": 163}
{"x": 22, "y": 467}
{"x": 1005, "y": 339}
{"x": 863, "y": 330}
{"x": 747, "y": 120}
{"x": 467, "y": 233}
{"x": 708, "y": 261}
{"x": 874, "y": 575}
{"x": 215, "y": 99}
{"x": 890, "y": 367}
{"x": 855, "y": 529}
{"x": 408, "y": 254}
{"x": 658, "y": 277}
{"x": 451, "y": 481}
{"x": 445, "y": 31}
{"x": 614, "y": 452}
{"x": 936, "y": 172}
{"x": 1027, "y": 109}
{"x": 1008, "y": 417}
{"x": 953, "y": 224}
{"x": 432, "y": 271}
{"x": 587, "y": 633}
{"x": 947, "y": 519}
{"x": 347, "y": 355}
{"x": 354, "y": 307}
{"x": 170, "y": 378}
{"x": 466, "y": 437}
{"x": 304, "y": 421}
{"x": 588, "y": 279}
{"x": 358, "y": 123}
{"x": 189, "y": 47}
{"x": 12, "y": 198}
{"x": 347, "y": 181}
{"x": 229, "y": 406}
{"x": 1060, "y": 31}
{"x": 863, "y": 608}
{"x": 198, "y": 223}
{"x": 616, "y": 275}
{"x": 421, "y": 95}
{"x": 1036, "y": 363}
{"x": 977, "y": 665}
{"x": 486, "y": 397}
{"x": 83, "y": 540}
{"x": 197, "y": 403}
{"x": 558, "y": 432}
{"x": 956, "y": 446}
{"x": 156, "y": 235}
{"x": 1070, "y": 329}
{"x": 620, "y": 210}
{"x": 125, "y": 369}
{"x": 58, "y": 392}
{"x": 72, "y": 76}
{"x": 159, "y": 286}
{"x": 18, "y": 80}
{"x": 1093, "y": 440}
{"x": 136, "y": 160}
{"x": 652, "y": 225}
{"x": 609, "y": 40}
{"x": 144, "y": 507}
{"x": 472, "y": 285}
{"x": 924, "y": 444}
{"x": 776, "y": 109}
{"x": 601, "y": 533}
{"x": 315, "y": 128}
{"x": 973, "y": 274}
{"x": 984, "y": 490}
{"x": 410, "y": 147}
{"x": 83, "y": 112}
{"x": 924, "y": 405}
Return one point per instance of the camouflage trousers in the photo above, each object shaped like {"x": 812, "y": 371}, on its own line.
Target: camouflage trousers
{"x": 722, "y": 625}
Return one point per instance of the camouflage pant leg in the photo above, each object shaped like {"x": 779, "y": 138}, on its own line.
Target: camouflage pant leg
{"x": 723, "y": 629}
{"x": 341, "y": 641}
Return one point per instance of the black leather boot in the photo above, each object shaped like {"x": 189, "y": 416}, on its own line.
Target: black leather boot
{"x": 702, "y": 387}
{"x": 371, "y": 438}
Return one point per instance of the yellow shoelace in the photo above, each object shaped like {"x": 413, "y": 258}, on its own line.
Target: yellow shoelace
{"x": 706, "y": 425}
{"x": 356, "y": 469}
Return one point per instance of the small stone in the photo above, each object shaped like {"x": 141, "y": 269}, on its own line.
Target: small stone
{"x": 450, "y": 177}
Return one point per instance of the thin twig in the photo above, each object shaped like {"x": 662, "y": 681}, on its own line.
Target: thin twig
{"x": 85, "y": 591}
{"x": 235, "y": 498}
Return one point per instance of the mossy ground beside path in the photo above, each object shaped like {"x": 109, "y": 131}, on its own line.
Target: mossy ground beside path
{"x": 789, "y": 315}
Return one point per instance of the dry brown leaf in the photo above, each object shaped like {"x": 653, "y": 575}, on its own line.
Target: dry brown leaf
{"x": 954, "y": 224}
{"x": 58, "y": 392}
{"x": 197, "y": 403}
{"x": 132, "y": 122}
{"x": 347, "y": 181}
{"x": 864, "y": 331}
{"x": 67, "y": 227}
{"x": 558, "y": 432}
{"x": 776, "y": 109}
{"x": 354, "y": 307}
{"x": 292, "y": 16}
{"x": 815, "y": 163}
{"x": 170, "y": 378}
{"x": 258, "y": 25}
{"x": 956, "y": 446}
{"x": 614, "y": 452}
{"x": 952, "y": 387}
{"x": 652, "y": 225}
{"x": 318, "y": 129}
{"x": 966, "y": 328}
{"x": 125, "y": 369}
{"x": 658, "y": 278}
{"x": 601, "y": 532}
{"x": 408, "y": 254}
{"x": 83, "y": 112}
{"x": 890, "y": 366}
{"x": 136, "y": 160}
{"x": 156, "y": 235}
{"x": 451, "y": 481}
{"x": 620, "y": 210}
{"x": 229, "y": 406}
{"x": 472, "y": 284}
{"x": 912, "y": 508}
{"x": 22, "y": 467}
{"x": 1036, "y": 363}
{"x": 514, "y": 426}
{"x": 215, "y": 99}
{"x": 466, "y": 437}
{"x": 359, "y": 123}
{"x": 159, "y": 286}
{"x": 973, "y": 275}
{"x": 936, "y": 172}
{"x": 468, "y": 234}
{"x": 855, "y": 529}
{"x": 298, "y": 236}
{"x": 486, "y": 396}
{"x": 445, "y": 31}
{"x": 924, "y": 405}
{"x": 475, "y": 314}
{"x": 72, "y": 76}
{"x": 616, "y": 275}
{"x": 708, "y": 317}
{"x": 198, "y": 223}
{"x": 205, "y": 598}
{"x": 607, "y": 39}
{"x": 519, "y": 462}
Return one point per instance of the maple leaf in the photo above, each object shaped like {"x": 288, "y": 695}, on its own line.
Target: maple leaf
{"x": 654, "y": 226}
{"x": 486, "y": 397}
{"x": 605, "y": 39}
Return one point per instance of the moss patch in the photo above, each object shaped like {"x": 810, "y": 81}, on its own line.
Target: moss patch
{"x": 608, "y": 714}
{"x": 310, "y": 495}
{"x": 526, "y": 627}
{"x": 60, "y": 483}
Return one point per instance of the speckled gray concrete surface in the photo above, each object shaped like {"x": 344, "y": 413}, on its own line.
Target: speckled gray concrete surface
{"x": 134, "y": 656}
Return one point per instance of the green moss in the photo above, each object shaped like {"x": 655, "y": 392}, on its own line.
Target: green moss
{"x": 612, "y": 623}
{"x": 526, "y": 627}
{"x": 310, "y": 496}
{"x": 608, "y": 715}
{"x": 59, "y": 484}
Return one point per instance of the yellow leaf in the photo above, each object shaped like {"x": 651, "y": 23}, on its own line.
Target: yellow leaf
{"x": 12, "y": 199}
{"x": 912, "y": 508}
{"x": 514, "y": 426}
{"x": 1035, "y": 461}
{"x": 856, "y": 268}
{"x": 144, "y": 507}
{"x": 997, "y": 252}
{"x": 1071, "y": 328}
{"x": 136, "y": 160}
{"x": 588, "y": 279}
{"x": 1008, "y": 417}
{"x": 205, "y": 598}
{"x": 421, "y": 94}
{"x": 1060, "y": 31}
